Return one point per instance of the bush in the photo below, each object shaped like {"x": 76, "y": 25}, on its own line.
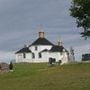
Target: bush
{"x": 11, "y": 66}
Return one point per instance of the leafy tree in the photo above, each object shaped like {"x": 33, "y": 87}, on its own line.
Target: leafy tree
{"x": 80, "y": 9}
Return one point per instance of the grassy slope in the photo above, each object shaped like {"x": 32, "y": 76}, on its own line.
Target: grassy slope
{"x": 43, "y": 77}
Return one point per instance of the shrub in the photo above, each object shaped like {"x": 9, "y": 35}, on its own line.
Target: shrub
{"x": 11, "y": 66}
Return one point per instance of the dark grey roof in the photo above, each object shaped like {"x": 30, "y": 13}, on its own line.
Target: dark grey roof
{"x": 57, "y": 48}
{"x": 41, "y": 41}
{"x": 24, "y": 50}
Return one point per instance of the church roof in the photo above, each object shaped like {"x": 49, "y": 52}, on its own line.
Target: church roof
{"x": 24, "y": 50}
{"x": 41, "y": 41}
{"x": 57, "y": 48}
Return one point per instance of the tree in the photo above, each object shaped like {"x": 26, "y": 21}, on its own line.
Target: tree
{"x": 11, "y": 66}
{"x": 80, "y": 9}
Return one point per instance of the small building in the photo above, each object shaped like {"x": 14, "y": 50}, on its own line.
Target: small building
{"x": 41, "y": 50}
{"x": 86, "y": 57}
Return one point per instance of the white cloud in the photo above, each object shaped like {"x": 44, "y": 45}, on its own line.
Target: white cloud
{"x": 83, "y": 48}
{"x": 6, "y": 56}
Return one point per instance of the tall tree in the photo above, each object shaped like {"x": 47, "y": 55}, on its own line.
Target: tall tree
{"x": 80, "y": 9}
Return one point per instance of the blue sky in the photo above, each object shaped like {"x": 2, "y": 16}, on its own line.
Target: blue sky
{"x": 20, "y": 21}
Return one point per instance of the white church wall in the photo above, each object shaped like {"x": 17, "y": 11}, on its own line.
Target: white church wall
{"x": 65, "y": 58}
{"x": 20, "y": 57}
{"x": 45, "y": 56}
{"x": 39, "y": 49}
{"x": 55, "y": 55}
{"x": 28, "y": 55}
{"x": 58, "y": 56}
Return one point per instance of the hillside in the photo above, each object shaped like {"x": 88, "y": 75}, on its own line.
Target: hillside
{"x": 43, "y": 77}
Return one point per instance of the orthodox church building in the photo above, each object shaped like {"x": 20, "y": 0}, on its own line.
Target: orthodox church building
{"x": 41, "y": 50}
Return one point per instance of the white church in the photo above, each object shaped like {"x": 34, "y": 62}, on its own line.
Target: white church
{"x": 41, "y": 50}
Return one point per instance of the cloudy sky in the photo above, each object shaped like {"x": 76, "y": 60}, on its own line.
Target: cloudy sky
{"x": 20, "y": 21}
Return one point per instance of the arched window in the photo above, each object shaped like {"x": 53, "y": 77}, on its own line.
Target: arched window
{"x": 33, "y": 55}
{"x": 36, "y": 48}
{"x": 24, "y": 55}
{"x": 40, "y": 55}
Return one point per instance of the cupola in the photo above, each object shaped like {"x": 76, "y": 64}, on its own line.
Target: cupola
{"x": 41, "y": 34}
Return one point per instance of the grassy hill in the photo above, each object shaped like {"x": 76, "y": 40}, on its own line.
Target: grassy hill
{"x": 43, "y": 77}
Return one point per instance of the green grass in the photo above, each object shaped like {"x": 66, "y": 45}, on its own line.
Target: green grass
{"x": 43, "y": 77}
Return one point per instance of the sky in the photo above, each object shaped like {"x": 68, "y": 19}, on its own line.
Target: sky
{"x": 20, "y": 22}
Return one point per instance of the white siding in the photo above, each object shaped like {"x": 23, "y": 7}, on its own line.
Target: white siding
{"x": 39, "y": 49}
{"x": 45, "y": 56}
{"x": 20, "y": 57}
{"x": 56, "y": 55}
{"x": 28, "y": 55}
{"x": 65, "y": 58}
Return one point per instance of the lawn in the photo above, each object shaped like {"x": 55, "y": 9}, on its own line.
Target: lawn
{"x": 44, "y": 77}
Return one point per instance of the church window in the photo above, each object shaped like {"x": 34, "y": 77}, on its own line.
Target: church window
{"x": 24, "y": 55}
{"x": 40, "y": 55}
{"x": 33, "y": 55}
{"x": 36, "y": 48}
